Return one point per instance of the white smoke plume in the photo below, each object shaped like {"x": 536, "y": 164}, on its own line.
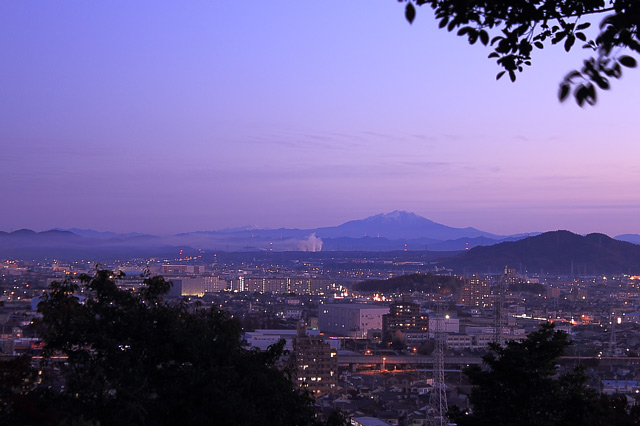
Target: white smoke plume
{"x": 311, "y": 243}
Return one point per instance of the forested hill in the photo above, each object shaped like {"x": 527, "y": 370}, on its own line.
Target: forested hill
{"x": 554, "y": 252}
{"x": 428, "y": 283}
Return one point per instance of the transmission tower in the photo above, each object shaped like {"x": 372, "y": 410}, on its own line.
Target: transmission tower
{"x": 498, "y": 310}
{"x": 437, "y": 412}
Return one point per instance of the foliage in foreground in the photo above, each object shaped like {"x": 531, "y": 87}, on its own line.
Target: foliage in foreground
{"x": 135, "y": 360}
{"x": 519, "y": 385}
{"x": 515, "y": 29}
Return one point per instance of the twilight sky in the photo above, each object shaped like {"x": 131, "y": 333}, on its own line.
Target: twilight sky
{"x": 165, "y": 117}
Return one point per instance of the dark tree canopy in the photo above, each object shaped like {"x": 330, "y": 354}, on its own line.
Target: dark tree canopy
{"x": 514, "y": 28}
{"x": 135, "y": 360}
{"x": 414, "y": 282}
{"x": 520, "y": 386}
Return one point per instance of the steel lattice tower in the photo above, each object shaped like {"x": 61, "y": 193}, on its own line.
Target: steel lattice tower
{"x": 437, "y": 413}
{"x": 498, "y": 306}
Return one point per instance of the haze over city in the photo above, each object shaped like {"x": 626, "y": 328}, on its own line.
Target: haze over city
{"x": 163, "y": 117}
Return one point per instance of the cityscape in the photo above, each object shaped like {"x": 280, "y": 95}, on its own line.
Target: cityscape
{"x": 382, "y": 337}
{"x": 341, "y": 213}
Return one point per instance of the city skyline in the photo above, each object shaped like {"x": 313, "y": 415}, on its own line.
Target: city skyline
{"x": 163, "y": 118}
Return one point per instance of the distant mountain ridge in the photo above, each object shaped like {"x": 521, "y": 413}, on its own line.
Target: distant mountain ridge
{"x": 398, "y": 225}
{"x": 561, "y": 252}
{"x": 102, "y": 235}
{"x": 630, "y": 238}
{"x": 397, "y": 230}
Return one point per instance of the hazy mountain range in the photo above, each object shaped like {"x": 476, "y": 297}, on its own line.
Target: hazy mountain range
{"x": 398, "y": 230}
{"x": 560, "y": 252}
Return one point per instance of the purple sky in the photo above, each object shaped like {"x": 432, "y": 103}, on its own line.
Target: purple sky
{"x": 164, "y": 117}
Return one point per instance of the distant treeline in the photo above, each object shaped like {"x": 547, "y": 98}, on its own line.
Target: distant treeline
{"x": 428, "y": 283}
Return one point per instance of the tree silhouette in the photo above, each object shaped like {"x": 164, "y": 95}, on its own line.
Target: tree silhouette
{"x": 515, "y": 28}
{"x": 520, "y": 386}
{"x": 134, "y": 359}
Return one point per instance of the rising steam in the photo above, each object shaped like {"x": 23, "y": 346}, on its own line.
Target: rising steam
{"x": 311, "y": 243}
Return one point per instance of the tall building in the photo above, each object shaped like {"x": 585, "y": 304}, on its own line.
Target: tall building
{"x": 280, "y": 285}
{"x": 510, "y": 276}
{"x": 275, "y": 285}
{"x": 182, "y": 269}
{"x": 300, "y": 285}
{"x": 254, "y": 285}
{"x": 406, "y": 318}
{"x": 186, "y": 286}
{"x": 320, "y": 285}
{"x": 237, "y": 283}
{"x": 316, "y": 363}
{"x": 475, "y": 292}
{"x": 215, "y": 284}
{"x": 350, "y": 320}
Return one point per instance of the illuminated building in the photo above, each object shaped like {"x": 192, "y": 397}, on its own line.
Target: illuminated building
{"x": 316, "y": 363}
{"x": 475, "y": 292}
{"x": 182, "y": 269}
{"x": 406, "y": 318}
{"x": 350, "y": 320}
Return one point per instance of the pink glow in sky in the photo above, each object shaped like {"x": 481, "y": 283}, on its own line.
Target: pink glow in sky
{"x": 165, "y": 117}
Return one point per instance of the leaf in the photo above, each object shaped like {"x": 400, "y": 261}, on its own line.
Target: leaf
{"x": 617, "y": 71}
{"x": 503, "y": 46}
{"x": 634, "y": 45}
{"x": 499, "y": 75}
{"x": 583, "y": 26}
{"x": 558, "y": 37}
{"x": 522, "y": 29}
{"x": 569, "y": 42}
{"x": 512, "y": 75}
{"x": 627, "y": 61}
{"x": 443, "y": 22}
{"x": 493, "y": 55}
{"x": 539, "y": 45}
{"x": 564, "y": 92}
{"x": 580, "y": 95}
{"x": 484, "y": 37}
{"x": 573, "y": 74}
{"x": 581, "y": 36}
{"x": 410, "y": 12}
{"x": 602, "y": 83}
{"x": 525, "y": 48}
{"x": 591, "y": 95}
